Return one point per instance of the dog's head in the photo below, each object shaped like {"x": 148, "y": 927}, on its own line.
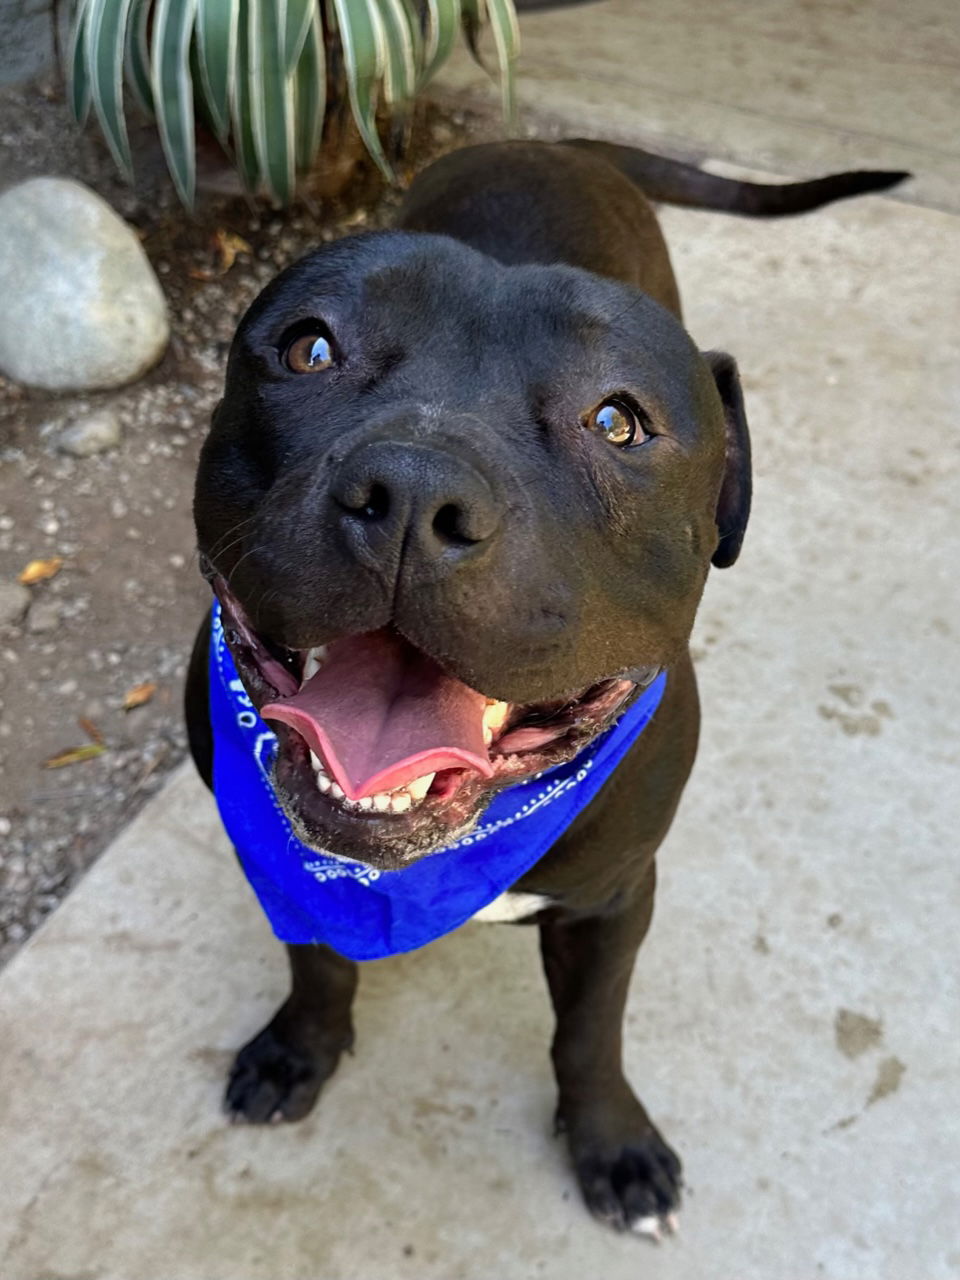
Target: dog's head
{"x": 457, "y": 515}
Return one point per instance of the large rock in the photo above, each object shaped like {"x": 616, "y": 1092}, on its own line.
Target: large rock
{"x": 80, "y": 306}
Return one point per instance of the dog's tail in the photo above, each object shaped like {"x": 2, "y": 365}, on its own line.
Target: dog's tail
{"x": 674, "y": 182}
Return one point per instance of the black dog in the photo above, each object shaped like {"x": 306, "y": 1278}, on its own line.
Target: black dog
{"x": 458, "y": 505}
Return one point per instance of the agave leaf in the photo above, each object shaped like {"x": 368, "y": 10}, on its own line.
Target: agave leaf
{"x": 362, "y": 41}
{"x": 173, "y": 91}
{"x": 310, "y": 93}
{"x": 400, "y": 69}
{"x": 506, "y": 36}
{"x": 443, "y": 27}
{"x": 243, "y": 141}
{"x": 78, "y": 89}
{"x": 271, "y": 97}
{"x": 473, "y": 17}
{"x": 216, "y": 46}
{"x": 136, "y": 62}
{"x": 300, "y": 14}
{"x": 105, "y": 37}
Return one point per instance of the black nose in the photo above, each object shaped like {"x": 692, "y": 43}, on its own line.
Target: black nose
{"x": 390, "y": 493}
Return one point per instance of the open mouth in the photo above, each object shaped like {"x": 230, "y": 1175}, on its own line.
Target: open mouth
{"x": 382, "y": 754}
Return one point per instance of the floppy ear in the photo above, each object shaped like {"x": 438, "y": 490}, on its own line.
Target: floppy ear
{"x": 733, "y": 504}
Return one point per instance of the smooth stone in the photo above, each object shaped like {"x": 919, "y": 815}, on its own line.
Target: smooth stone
{"x": 94, "y": 433}
{"x": 82, "y": 307}
{"x": 14, "y": 603}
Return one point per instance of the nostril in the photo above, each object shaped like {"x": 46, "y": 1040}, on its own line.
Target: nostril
{"x": 448, "y": 525}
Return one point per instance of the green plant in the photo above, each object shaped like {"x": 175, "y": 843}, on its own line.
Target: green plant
{"x": 262, "y": 74}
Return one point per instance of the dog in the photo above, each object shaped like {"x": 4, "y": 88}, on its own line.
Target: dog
{"x": 457, "y": 506}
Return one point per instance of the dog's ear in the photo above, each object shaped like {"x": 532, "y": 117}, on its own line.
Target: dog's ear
{"x": 733, "y": 504}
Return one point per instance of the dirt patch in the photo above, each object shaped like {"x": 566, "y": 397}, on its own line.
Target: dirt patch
{"x": 123, "y": 609}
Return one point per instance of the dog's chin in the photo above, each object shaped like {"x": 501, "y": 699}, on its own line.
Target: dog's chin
{"x": 391, "y": 828}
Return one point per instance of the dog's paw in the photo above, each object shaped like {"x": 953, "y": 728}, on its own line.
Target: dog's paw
{"x": 273, "y": 1079}
{"x": 636, "y": 1188}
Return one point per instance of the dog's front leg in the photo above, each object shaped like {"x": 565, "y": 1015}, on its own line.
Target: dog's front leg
{"x": 279, "y": 1074}
{"x": 628, "y": 1175}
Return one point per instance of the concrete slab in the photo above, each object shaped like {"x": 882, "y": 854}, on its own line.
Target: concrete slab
{"x": 793, "y": 1023}
{"x": 797, "y": 89}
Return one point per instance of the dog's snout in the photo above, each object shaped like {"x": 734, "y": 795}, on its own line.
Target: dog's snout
{"x": 390, "y": 492}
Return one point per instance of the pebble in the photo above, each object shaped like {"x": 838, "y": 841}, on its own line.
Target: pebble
{"x": 82, "y": 307}
{"x": 14, "y": 603}
{"x": 44, "y": 616}
{"x": 93, "y": 434}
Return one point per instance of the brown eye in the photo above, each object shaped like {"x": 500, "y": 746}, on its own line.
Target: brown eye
{"x": 310, "y": 353}
{"x": 618, "y": 423}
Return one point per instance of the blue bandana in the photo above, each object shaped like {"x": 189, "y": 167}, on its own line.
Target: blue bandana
{"x": 361, "y": 912}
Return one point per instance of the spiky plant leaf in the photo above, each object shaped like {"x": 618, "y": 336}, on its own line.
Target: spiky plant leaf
{"x": 271, "y": 98}
{"x": 362, "y": 40}
{"x": 300, "y": 14}
{"x": 400, "y": 70}
{"x": 443, "y": 27}
{"x": 310, "y": 93}
{"x": 506, "y": 36}
{"x": 78, "y": 88}
{"x": 216, "y": 47}
{"x": 105, "y": 41}
{"x": 245, "y": 149}
{"x": 173, "y": 91}
{"x": 136, "y": 63}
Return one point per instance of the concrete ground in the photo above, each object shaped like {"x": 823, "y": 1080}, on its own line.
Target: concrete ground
{"x": 793, "y": 1024}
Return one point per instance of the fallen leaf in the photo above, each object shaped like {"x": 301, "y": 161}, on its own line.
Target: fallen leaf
{"x": 138, "y": 695}
{"x": 40, "y": 571}
{"x": 75, "y": 755}
{"x": 91, "y": 730}
{"x": 226, "y": 245}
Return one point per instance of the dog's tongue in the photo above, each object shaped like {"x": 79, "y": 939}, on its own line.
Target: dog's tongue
{"x": 381, "y": 713}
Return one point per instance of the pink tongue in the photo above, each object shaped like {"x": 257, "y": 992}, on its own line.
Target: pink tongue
{"x": 381, "y": 713}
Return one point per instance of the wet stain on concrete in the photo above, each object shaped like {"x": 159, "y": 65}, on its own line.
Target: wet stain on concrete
{"x": 855, "y": 1033}
{"x": 889, "y": 1074}
{"x": 761, "y": 945}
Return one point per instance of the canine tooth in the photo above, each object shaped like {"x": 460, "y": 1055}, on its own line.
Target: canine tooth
{"x": 365, "y": 802}
{"x": 336, "y": 791}
{"x": 381, "y": 801}
{"x": 419, "y": 787}
{"x": 323, "y": 782}
{"x": 317, "y": 763}
{"x": 314, "y": 660}
{"x": 493, "y": 717}
{"x": 400, "y": 802}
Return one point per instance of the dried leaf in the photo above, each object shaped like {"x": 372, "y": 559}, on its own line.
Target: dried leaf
{"x": 40, "y": 570}
{"x": 91, "y": 730}
{"x": 75, "y": 755}
{"x": 225, "y": 245}
{"x": 138, "y": 695}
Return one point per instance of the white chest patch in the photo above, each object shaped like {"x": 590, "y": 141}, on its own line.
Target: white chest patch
{"x": 512, "y": 906}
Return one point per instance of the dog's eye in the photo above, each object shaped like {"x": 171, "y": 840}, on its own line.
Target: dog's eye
{"x": 618, "y": 423}
{"x": 308, "y": 353}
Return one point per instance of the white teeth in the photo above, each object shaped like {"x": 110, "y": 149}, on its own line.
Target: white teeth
{"x": 324, "y": 783}
{"x": 381, "y": 802}
{"x": 336, "y": 791}
{"x": 400, "y": 802}
{"x": 493, "y": 717}
{"x": 313, "y": 661}
{"x": 419, "y": 787}
{"x": 365, "y": 802}
{"x": 317, "y": 763}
